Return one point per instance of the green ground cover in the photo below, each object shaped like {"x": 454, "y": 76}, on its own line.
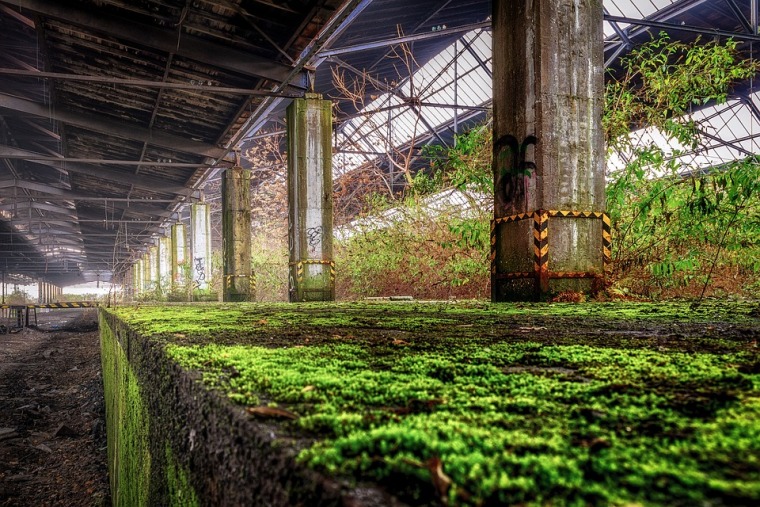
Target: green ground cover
{"x": 474, "y": 403}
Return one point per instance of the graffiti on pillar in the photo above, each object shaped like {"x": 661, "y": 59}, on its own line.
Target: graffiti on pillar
{"x": 200, "y": 272}
{"x": 513, "y": 171}
{"x": 314, "y": 238}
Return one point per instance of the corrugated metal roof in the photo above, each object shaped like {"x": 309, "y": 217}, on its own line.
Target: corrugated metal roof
{"x": 117, "y": 208}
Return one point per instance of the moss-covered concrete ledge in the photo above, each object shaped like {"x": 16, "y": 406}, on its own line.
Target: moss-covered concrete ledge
{"x": 464, "y": 404}
{"x": 172, "y": 441}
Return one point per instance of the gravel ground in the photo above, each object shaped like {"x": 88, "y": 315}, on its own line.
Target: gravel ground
{"x": 52, "y": 433}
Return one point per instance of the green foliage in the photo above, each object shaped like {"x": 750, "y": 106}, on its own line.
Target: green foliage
{"x": 674, "y": 225}
{"x": 467, "y": 165}
{"x": 269, "y": 263}
{"x": 421, "y": 251}
{"x": 415, "y": 253}
{"x": 663, "y": 79}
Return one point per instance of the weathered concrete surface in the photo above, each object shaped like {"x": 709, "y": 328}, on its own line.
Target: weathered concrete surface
{"x": 164, "y": 264}
{"x": 179, "y": 256}
{"x": 151, "y": 270}
{"x": 200, "y": 230}
{"x": 173, "y": 441}
{"x": 310, "y": 208}
{"x": 548, "y": 142}
{"x": 238, "y": 283}
{"x": 137, "y": 278}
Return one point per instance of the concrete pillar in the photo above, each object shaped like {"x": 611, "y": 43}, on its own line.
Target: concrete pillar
{"x": 548, "y": 230}
{"x": 238, "y": 283}
{"x": 164, "y": 264}
{"x": 179, "y": 256}
{"x": 200, "y": 231}
{"x": 151, "y": 271}
{"x": 136, "y": 279}
{"x": 310, "y": 211}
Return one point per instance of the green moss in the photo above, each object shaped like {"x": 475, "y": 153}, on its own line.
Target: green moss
{"x": 533, "y": 404}
{"x": 129, "y": 459}
{"x": 211, "y": 322}
{"x": 181, "y": 491}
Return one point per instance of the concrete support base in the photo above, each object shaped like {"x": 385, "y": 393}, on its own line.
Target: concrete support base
{"x": 310, "y": 210}
{"x": 238, "y": 282}
{"x": 200, "y": 230}
{"x": 549, "y": 232}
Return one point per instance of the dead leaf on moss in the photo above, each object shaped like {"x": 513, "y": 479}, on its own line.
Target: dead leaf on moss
{"x": 399, "y": 342}
{"x": 271, "y": 413}
{"x": 441, "y": 481}
{"x": 307, "y": 389}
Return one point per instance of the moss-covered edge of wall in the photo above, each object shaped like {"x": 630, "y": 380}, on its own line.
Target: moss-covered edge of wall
{"x": 171, "y": 441}
{"x": 131, "y": 466}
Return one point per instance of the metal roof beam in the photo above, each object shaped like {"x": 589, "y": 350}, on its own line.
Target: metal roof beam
{"x": 112, "y": 127}
{"x": 40, "y": 206}
{"x": 683, "y": 28}
{"x": 166, "y": 40}
{"x": 406, "y": 38}
{"x": 139, "y": 181}
{"x": 143, "y": 83}
{"x": 740, "y": 16}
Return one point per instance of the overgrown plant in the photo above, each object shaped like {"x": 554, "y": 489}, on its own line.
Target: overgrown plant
{"x": 675, "y": 222}
{"x": 678, "y": 227}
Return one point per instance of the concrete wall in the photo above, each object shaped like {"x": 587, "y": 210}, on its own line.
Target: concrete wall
{"x": 171, "y": 441}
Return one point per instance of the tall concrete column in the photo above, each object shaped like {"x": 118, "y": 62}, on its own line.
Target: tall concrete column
{"x": 237, "y": 281}
{"x": 137, "y": 278}
{"x": 151, "y": 271}
{"x": 548, "y": 230}
{"x": 310, "y": 208}
{"x": 179, "y": 256}
{"x": 200, "y": 231}
{"x": 164, "y": 264}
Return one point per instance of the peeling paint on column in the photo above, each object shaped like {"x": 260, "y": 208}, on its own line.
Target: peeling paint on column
{"x": 310, "y": 212}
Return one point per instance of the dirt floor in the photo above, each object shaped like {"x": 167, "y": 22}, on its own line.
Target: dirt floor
{"x": 52, "y": 433}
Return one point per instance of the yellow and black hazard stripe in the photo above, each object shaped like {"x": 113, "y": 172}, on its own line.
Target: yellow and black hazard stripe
{"x": 573, "y": 274}
{"x": 576, "y": 214}
{"x": 492, "y": 256}
{"x": 515, "y": 276}
{"x": 541, "y": 245}
{"x": 299, "y": 265}
{"x": 606, "y": 241}
{"x": 513, "y": 218}
{"x": 228, "y": 280}
{"x": 76, "y": 304}
{"x": 541, "y": 248}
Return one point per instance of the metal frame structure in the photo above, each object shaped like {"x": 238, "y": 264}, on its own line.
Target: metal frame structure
{"x": 114, "y": 115}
